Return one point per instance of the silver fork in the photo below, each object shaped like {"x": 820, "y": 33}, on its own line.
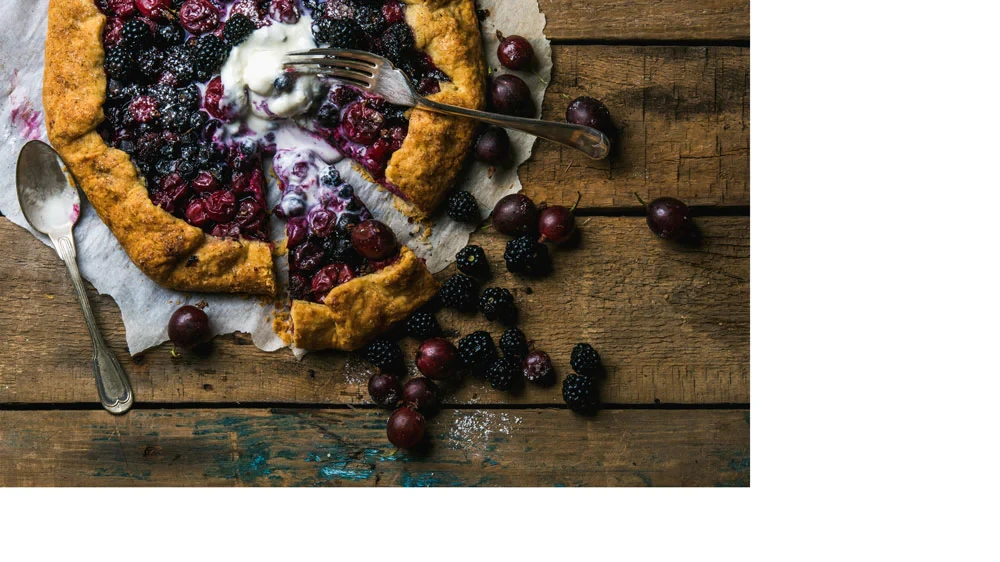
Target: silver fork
{"x": 377, "y": 75}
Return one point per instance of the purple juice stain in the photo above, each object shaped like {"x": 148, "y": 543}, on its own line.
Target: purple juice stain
{"x": 23, "y": 116}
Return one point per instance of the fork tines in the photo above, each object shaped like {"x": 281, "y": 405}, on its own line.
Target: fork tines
{"x": 356, "y": 67}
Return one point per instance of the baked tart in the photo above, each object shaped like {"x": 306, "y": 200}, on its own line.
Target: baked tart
{"x": 172, "y": 115}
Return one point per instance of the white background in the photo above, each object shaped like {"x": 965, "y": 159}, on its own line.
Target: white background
{"x": 874, "y": 338}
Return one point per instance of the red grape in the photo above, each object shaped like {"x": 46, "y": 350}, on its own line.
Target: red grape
{"x": 436, "y": 358}
{"x": 515, "y": 214}
{"x": 384, "y": 389}
{"x": 421, "y": 393}
{"x": 374, "y": 240}
{"x": 188, "y": 327}
{"x": 515, "y": 52}
{"x": 405, "y": 428}
{"x": 510, "y": 95}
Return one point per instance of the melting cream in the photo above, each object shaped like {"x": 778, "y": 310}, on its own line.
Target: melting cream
{"x": 252, "y": 67}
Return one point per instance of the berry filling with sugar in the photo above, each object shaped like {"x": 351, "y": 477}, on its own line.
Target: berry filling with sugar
{"x": 198, "y": 97}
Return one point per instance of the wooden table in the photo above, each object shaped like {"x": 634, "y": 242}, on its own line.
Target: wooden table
{"x": 672, "y": 323}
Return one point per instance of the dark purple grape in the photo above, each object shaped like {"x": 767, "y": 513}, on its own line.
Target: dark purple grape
{"x": 514, "y": 215}
{"x": 436, "y": 358}
{"x": 515, "y": 52}
{"x": 592, "y": 113}
{"x": 556, "y": 224}
{"x": 421, "y": 393}
{"x": 384, "y": 389}
{"x": 374, "y": 240}
{"x": 188, "y": 327}
{"x": 510, "y": 95}
{"x": 493, "y": 146}
{"x": 538, "y": 368}
{"x": 405, "y": 428}
{"x": 668, "y": 218}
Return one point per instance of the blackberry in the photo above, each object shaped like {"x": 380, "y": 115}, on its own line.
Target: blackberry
{"x": 514, "y": 344}
{"x": 117, "y": 63}
{"x": 385, "y": 355}
{"x": 471, "y": 260}
{"x": 498, "y": 304}
{"x": 150, "y": 65}
{"x": 397, "y": 41}
{"x": 180, "y": 64}
{"x": 503, "y": 373}
{"x": 338, "y": 34}
{"x": 169, "y": 35}
{"x": 458, "y": 292}
{"x": 585, "y": 360}
{"x": 477, "y": 349}
{"x": 580, "y": 393}
{"x": 462, "y": 207}
{"x": 237, "y": 29}
{"x": 136, "y": 36}
{"x": 329, "y": 176}
{"x": 370, "y": 18}
{"x": 525, "y": 255}
{"x": 315, "y": 7}
{"x": 209, "y": 54}
{"x": 422, "y": 325}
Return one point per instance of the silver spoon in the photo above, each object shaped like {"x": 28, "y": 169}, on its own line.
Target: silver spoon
{"x": 51, "y": 203}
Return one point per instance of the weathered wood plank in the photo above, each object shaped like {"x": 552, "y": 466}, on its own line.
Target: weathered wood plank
{"x": 672, "y": 324}
{"x": 238, "y": 447}
{"x": 685, "y": 118}
{"x": 654, "y": 20}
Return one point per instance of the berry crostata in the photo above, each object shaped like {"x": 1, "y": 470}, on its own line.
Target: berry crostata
{"x": 172, "y": 115}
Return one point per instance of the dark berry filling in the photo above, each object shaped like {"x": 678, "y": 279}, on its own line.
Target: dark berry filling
{"x": 164, "y": 107}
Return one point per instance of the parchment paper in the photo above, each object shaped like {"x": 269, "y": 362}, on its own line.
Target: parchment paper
{"x": 145, "y": 306}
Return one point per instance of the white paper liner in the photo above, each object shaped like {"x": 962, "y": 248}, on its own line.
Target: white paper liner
{"x": 146, "y": 306}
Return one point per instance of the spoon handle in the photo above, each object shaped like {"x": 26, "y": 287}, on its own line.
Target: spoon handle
{"x": 112, "y": 385}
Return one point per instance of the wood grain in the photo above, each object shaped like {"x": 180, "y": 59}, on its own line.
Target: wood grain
{"x": 653, "y": 20}
{"x": 253, "y": 447}
{"x": 672, "y": 324}
{"x": 684, "y": 114}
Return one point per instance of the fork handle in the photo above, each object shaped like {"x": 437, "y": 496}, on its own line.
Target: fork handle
{"x": 591, "y": 142}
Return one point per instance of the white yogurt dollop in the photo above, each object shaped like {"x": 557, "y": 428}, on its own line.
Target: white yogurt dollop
{"x": 249, "y": 72}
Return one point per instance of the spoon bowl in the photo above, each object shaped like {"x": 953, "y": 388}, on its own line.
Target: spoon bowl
{"x": 48, "y": 199}
{"x": 51, "y": 203}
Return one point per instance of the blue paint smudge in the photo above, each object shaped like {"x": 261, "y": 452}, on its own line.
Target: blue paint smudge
{"x": 341, "y": 472}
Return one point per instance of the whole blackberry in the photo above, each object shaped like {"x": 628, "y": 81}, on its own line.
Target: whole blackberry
{"x": 210, "y": 52}
{"x": 422, "y": 325}
{"x": 385, "y": 355}
{"x": 179, "y": 64}
{"x": 315, "y": 7}
{"x": 150, "y": 65}
{"x": 136, "y": 36}
{"x": 462, "y": 207}
{"x": 397, "y": 40}
{"x": 169, "y": 35}
{"x": 514, "y": 344}
{"x": 503, "y": 373}
{"x": 458, "y": 292}
{"x": 117, "y": 63}
{"x": 477, "y": 349}
{"x": 525, "y": 255}
{"x": 369, "y": 17}
{"x": 338, "y": 34}
{"x": 498, "y": 304}
{"x": 585, "y": 360}
{"x": 237, "y": 29}
{"x": 580, "y": 393}
{"x": 471, "y": 260}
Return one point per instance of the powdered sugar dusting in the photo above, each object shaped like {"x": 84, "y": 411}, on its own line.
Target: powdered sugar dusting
{"x": 473, "y": 431}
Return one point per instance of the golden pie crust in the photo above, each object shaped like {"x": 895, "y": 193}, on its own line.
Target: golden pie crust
{"x": 427, "y": 164}
{"x": 354, "y": 313}
{"x": 183, "y": 257}
{"x": 167, "y": 249}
